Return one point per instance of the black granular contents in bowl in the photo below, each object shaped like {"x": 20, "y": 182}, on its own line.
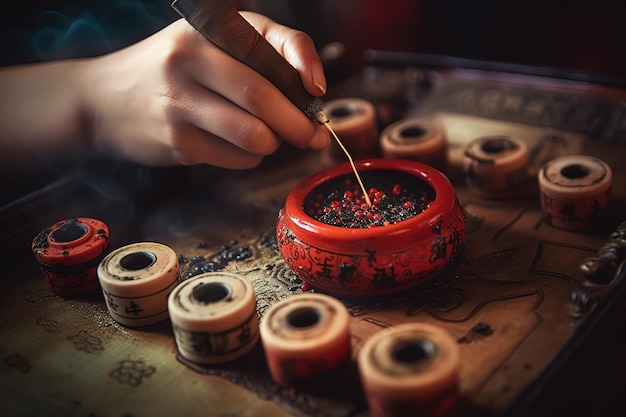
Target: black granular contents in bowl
{"x": 395, "y": 196}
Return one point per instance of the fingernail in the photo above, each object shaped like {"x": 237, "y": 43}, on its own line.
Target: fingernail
{"x": 321, "y": 87}
{"x": 319, "y": 141}
{"x": 319, "y": 80}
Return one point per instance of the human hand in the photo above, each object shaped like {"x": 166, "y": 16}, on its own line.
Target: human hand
{"x": 175, "y": 98}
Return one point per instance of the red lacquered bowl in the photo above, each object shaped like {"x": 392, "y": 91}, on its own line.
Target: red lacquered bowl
{"x": 364, "y": 262}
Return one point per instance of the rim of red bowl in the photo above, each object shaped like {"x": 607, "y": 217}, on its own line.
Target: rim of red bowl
{"x": 389, "y": 237}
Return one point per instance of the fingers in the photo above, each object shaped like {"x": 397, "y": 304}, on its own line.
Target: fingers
{"x": 298, "y": 49}
{"x": 193, "y": 146}
{"x": 245, "y": 88}
{"x": 213, "y": 113}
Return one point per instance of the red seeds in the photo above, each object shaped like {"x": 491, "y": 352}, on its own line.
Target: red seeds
{"x": 391, "y": 202}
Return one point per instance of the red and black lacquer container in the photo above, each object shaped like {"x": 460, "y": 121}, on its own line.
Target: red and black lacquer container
{"x": 363, "y": 262}
{"x": 69, "y": 252}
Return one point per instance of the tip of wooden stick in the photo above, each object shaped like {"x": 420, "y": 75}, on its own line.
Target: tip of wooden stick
{"x": 324, "y": 121}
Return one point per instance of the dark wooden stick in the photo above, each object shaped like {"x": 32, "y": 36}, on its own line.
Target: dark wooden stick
{"x": 221, "y": 23}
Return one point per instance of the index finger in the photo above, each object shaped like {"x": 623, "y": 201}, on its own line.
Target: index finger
{"x": 296, "y": 47}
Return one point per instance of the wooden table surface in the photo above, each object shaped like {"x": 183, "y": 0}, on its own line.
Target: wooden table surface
{"x": 514, "y": 277}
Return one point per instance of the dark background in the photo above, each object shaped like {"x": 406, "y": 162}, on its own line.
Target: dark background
{"x": 583, "y": 34}
{"x": 42, "y": 30}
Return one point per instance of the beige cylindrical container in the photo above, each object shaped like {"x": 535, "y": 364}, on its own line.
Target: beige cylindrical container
{"x": 355, "y": 123}
{"x": 574, "y": 189}
{"x": 496, "y": 167}
{"x": 136, "y": 280}
{"x": 214, "y": 317}
{"x": 305, "y": 338}
{"x": 418, "y": 139}
{"x": 411, "y": 370}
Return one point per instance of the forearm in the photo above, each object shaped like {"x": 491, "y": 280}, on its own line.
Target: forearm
{"x": 40, "y": 109}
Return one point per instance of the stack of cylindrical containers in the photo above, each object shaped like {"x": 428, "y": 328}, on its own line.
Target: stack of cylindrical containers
{"x": 306, "y": 338}
{"x": 573, "y": 189}
{"x": 412, "y": 368}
